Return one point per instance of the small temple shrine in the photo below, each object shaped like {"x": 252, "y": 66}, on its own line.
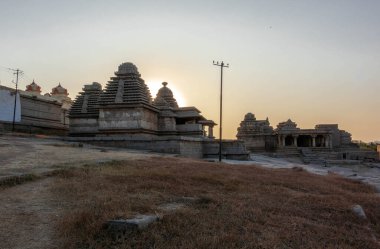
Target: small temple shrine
{"x": 324, "y": 141}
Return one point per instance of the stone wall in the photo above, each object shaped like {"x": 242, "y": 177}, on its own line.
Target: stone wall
{"x": 42, "y": 113}
{"x": 260, "y": 143}
{"x": 124, "y": 118}
{"x": 362, "y": 155}
{"x": 189, "y": 127}
{"x": 231, "y": 149}
{"x": 339, "y": 137}
{"x": 80, "y": 126}
{"x": 166, "y": 124}
{"x": 185, "y": 146}
{"x": 194, "y": 130}
{"x": 37, "y": 114}
{"x": 191, "y": 148}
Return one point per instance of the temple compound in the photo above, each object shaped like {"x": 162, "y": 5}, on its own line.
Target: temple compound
{"x": 124, "y": 115}
{"x": 35, "y": 113}
{"x": 325, "y": 141}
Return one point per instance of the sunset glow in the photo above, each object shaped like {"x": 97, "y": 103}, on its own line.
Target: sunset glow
{"x": 311, "y": 61}
{"x": 155, "y": 85}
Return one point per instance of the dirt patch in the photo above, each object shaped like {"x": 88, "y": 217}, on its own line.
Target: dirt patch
{"x": 37, "y": 156}
{"x": 28, "y": 215}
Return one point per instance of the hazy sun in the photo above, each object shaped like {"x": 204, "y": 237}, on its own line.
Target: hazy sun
{"x": 155, "y": 85}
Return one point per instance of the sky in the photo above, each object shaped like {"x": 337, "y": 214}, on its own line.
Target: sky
{"x": 312, "y": 61}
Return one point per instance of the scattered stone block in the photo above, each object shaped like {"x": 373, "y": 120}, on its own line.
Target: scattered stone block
{"x": 170, "y": 207}
{"x": 359, "y": 211}
{"x": 120, "y": 229}
{"x": 143, "y": 221}
{"x": 178, "y": 203}
{"x": 187, "y": 199}
{"x": 138, "y": 223}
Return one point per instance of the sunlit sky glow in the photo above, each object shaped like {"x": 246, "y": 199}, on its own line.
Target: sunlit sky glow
{"x": 311, "y": 61}
{"x": 155, "y": 85}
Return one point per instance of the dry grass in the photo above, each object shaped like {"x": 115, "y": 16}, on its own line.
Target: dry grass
{"x": 10, "y": 181}
{"x": 240, "y": 207}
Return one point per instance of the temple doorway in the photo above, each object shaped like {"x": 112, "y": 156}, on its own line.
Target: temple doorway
{"x": 319, "y": 141}
{"x": 304, "y": 141}
{"x": 289, "y": 141}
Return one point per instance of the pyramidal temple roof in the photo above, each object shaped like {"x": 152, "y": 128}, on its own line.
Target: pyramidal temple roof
{"x": 126, "y": 87}
{"x": 167, "y": 95}
{"x": 86, "y": 103}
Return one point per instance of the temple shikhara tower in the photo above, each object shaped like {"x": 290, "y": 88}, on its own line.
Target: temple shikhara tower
{"x": 124, "y": 114}
{"x": 125, "y": 105}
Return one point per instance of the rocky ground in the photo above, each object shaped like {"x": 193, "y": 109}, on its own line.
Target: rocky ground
{"x": 367, "y": 172}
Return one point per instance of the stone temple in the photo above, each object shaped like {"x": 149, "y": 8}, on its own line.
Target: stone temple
{"x": 123, "y": 114}
{"x": 35, "y": 113}
{"x": 324, "y": 142}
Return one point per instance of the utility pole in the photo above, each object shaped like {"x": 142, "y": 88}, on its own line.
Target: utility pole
{"x": 17, "y": 72}
{"x": 221, "y": 65}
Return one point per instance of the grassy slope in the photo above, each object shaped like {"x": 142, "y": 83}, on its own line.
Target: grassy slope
{"x": 240, "y": 207}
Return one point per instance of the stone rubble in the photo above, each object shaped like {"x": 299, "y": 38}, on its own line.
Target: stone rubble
{"x": 359, "y": 211}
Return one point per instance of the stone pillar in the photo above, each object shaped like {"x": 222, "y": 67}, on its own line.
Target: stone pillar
{"x": 326, "y": 138}
{"x": 283, "y": 141}
{"x": 313, "y": 137}
{"x": 295, "y": 141}
{"x": 330, "y": 142}
{"x": 204, "y": 133}
{"x": 279, "y": 141}
{"x": 211, "y": 131}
